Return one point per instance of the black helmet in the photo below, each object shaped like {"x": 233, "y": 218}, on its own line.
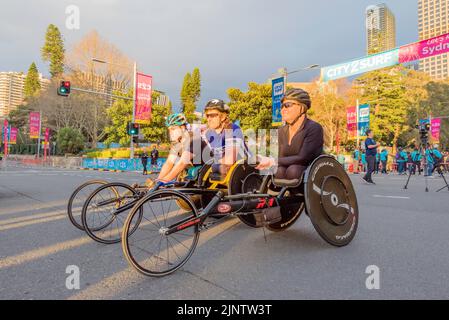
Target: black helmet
{"x": 217, "y": 104}
{"x": 299, "y": 95}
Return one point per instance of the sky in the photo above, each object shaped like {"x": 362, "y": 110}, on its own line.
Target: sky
{"x": 232, "y": 42}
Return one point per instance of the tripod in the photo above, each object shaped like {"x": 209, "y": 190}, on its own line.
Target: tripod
{"x": 438, "y": 169}
{"x": 423, "y": 148}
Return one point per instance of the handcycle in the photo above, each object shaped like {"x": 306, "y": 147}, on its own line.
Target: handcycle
{"x": 160, "y": 235}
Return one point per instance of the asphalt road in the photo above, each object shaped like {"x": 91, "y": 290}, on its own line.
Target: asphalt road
{"x": 404, "y": 233}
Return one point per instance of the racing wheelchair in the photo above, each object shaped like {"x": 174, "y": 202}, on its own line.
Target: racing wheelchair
{"x": 160, "y": 235}
{"x": 105, "y": 209}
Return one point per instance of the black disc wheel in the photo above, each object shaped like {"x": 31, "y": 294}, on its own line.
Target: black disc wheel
{"x": 78, "y": 198}
{"x": 105, "y": 211}
{"x": 149, "y": 249}
{"x": 331, "y": 201}
{"x": 291, "y": 209}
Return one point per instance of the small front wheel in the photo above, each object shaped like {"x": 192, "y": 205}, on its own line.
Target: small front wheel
{"x": 149, "y": 249}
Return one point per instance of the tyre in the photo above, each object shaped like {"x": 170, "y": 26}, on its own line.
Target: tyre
{"x": 78, "y": 198}
{"x": 105, "y": 211}
{"x": 148, "y": 249}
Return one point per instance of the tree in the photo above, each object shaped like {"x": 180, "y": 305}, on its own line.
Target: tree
{"x": 251, "y": 108}
{"x": 329, "y": 109}
{"x": 190, "y": 94}
{"x": 53, "y": 50}
{"x": 121, "y": 114}
{"x": 32, "y": 83}
{"x": 85, "y": 73}
{"x": 70, "y": 140}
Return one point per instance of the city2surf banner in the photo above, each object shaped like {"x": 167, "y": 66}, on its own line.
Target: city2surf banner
{"x": 408, "y": 53}
{"x": 143, "y": 98}
{"x": 364, "y": 120}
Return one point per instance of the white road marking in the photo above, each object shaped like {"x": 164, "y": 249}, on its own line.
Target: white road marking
{"x": 390, "y": 197}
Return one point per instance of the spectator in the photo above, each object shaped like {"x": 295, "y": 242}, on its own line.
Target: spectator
{"x": 401, "y": 158}
{"x": 144, "y": 159}
{"x": 376, "y": 170}
{"x": 416, "y": 161}
{"x": 154, "y": 158}
{"x": 384, "y": 160}
{"x": 434, "y": 159}
{"x": 356, "y": 161}
{"x": 364, "y": 161}
{"x": 371, "y": 151}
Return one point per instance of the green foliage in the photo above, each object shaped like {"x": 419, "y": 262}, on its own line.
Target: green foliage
{"x": 251, "y": 108}
{"x": 32, "y": 84}
{"x": 436, "y": 105}
{"x": 385, "y": 90}
{"x": 120, "y": 115}
{"x": 19, "y": 117}
{"x": 70, "y": 140}
{"x": 190, "y": 94}
{"x": 53, "y": 50}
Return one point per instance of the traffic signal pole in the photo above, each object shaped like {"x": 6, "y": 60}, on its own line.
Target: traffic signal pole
{"x": 131, "y": 155}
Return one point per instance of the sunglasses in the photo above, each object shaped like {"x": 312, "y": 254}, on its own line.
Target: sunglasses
{"x": 289, "y": 105}
{"x": 212, "y": 115}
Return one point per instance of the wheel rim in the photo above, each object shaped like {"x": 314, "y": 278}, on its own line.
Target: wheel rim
{"x": 100, "y": 220}
{"x": 148, "y": 249}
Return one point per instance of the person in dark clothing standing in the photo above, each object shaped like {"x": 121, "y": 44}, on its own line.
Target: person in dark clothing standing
{"x": 144, "y": 160}
{"x": 154, "y": 156}
{"x": 371, "y": 151}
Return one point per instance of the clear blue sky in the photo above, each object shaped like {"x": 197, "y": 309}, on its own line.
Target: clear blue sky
{"x": 231, "y": 41}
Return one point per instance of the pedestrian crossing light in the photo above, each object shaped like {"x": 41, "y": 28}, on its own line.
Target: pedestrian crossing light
{"x": 133, "y": 129}
{"x": 64, "y": 89}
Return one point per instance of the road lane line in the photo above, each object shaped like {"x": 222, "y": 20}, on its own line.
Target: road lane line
{"x": 390, "y": 197}
{"x": 110, "y": 287}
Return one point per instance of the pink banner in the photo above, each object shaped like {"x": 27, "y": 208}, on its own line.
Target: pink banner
{"x": 47, "y": 137}
{"x": 143, "y": 98}
{"x": 435, "y": 129}
{"x": 13, "y": 136}
{"x": 351, "y": 115}
{"x": 424, "y": 49}
{"x": 34, "y": 125}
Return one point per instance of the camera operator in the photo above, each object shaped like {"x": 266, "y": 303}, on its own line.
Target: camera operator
{"x": 416, "y": 160}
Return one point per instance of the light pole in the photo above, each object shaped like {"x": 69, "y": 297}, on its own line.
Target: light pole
{"x": 285, "y": 72}
{"x": 134, "y": 95}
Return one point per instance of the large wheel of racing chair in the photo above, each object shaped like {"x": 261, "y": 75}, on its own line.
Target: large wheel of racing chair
{"x": 326, "y": 193}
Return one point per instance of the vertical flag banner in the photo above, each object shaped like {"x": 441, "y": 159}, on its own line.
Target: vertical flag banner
{"x": 364, "y": 112}
{"x": 277, "y": 95}
{"x": 351, "y": 119}
{"x": 34, "y": 125}
{"x": 435, "y": 129}
{"x": 144, "y": 86}
{"x": 13, "y": 136}
{"x": 5, "y": 137}
{"x": 47, "y": 137}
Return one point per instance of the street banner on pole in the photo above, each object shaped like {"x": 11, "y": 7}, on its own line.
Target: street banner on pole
{"x": 5, "y": 137}
{"x": 13, "y": 136}
{"x": 277, "y": 95}
{"x": 47, "y": 137}
{"x": 34, "y": 125}
{"x": 144, "y": 86}
{"x": 351, "y": 119}
{"x": 363, "y": 123}
{"x": 435, "y": 129}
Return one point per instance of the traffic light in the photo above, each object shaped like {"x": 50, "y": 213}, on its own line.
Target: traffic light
{"x": 64, "y": 89}
{"x": 133, "y": 129}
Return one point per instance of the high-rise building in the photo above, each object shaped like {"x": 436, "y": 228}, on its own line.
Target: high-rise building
{"x": 11, "y": 90}
{"x": 380, "y": 29}
{"x": 433, "y": 19}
